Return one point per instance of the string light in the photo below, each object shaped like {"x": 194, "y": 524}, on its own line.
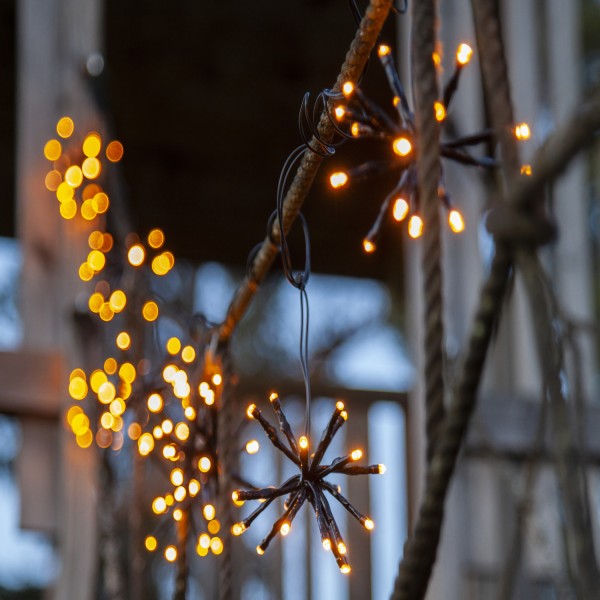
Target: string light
{"x": 522, "y": 131}
{"x": 360, "y": 117}
{"x": 309, "y": 485}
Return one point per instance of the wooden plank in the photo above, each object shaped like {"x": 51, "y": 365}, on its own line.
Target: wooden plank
{"x": 37, "y": 475}
{"x": 506, "y": 426}
{"x": 31, "y": 383}
{"x": 357, "y": 435}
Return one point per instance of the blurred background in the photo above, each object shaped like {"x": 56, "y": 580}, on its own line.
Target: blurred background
{"x": 205, "y": 99}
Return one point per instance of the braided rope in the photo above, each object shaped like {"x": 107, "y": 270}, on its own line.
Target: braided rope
{"x": 420, "y": 552}
{"x": 496, "y": 82}
{"x": 354, "y": 63}
{"x": 551, "y": 160}
{"x": 428, "y": 160}
{"x": 421, "y": 549}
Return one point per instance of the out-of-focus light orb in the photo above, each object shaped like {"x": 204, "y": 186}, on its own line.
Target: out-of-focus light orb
{"x": 156, "y": 238}
{"x": 150, "y": 311}
{"x": 74, "y": 176}
{"x": 92, "y": 145}
{"x": 68, "y": 209}
{"x": 100, "y": 202}
{"x": 53, "y": 180}
{"x": 52, "y": 150}
{"x": 65, "y": 127}
{"x": 114, "y": 151}
{"x": 136, "y": 255}
{"x": 91, "y": 168}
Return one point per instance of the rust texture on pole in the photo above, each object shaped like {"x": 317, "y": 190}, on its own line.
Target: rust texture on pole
{"x": 354, "y": 64}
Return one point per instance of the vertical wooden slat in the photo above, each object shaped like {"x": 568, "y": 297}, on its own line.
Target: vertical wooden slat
{"x": 54, "y": 39}
{"x": 359, "y": 548}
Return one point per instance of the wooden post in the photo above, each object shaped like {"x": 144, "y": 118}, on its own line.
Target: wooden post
{"x": 54, "y": 39}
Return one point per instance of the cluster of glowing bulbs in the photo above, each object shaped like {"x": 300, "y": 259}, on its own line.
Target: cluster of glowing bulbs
{"x": 402, "y": 144}
{"x": 75, "y": 171}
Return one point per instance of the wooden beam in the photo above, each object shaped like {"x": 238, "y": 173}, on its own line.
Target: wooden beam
{"x": 31, "y": 383}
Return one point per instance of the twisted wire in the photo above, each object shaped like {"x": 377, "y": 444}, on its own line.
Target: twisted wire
{"x": 226, "y": 453}
{"x": 428, "y": 161}
{"x": 183, "y": 565}
{"x": 354, "y": 63}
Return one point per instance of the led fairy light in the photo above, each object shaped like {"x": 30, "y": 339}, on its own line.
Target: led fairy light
{"x": 77, "y": 170}
{"x": 181, "y": 434}
{"x": 355, "y": 116}
{"x": 125, "y": 304}
{"x": 309, "y": 485}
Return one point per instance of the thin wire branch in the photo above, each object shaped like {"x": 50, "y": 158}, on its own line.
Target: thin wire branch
{"x": 525, "y": 504}
{"x": 580, "y": 552}
{"x": 356, "y": 59}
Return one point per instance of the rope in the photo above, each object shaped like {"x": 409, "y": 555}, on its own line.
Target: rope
{"x": 552, "y": 159}
{"x": 421, "y": 549}
{"x": 496, "y": 82}
{"x": 354, "y": 63}
{"x": 428, "y": 160}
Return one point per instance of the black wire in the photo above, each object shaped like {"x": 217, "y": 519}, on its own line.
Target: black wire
{"x": 304, "y": 326}
{"x": 297, "y": 279}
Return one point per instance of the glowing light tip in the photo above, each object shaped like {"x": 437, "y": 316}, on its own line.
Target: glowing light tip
{"x": 238, "y": 529}
{"x": 526, "y": 170}
{"x": 252, "y": 447}
{"x": 235, "y": 496}
{"x": 171, "y": 553}
{"x": 522, "y": 131}
{"x": 339, "y": 405}
{"x": 344, "y": 415}
{"x": 356, "y": 455}
{"x": 342, "y": 548}
{"x": 338, "y": 180}
{"x": 383, "y": 50}
{"x": 273, "y": 397}
{"x": 369, "y": 524}
{"x": 285, "y": 528}
{"x": 339, "y": 112}
{"x": 440, "y": 111}
{"x": 259, "y": 551}
{"x": 463, "y": 54}
{"x": 415, "y": 227}
{"x": 327, "y": 544}
{"x": 303, "y": 442}
{"x": 402, "y": 146}
{"x": 345, "y": 569}
{"x": 348, "y": 88}
{"x": 368, "y": 246}
{"x": 381, "y": 468}
{"x": 136, "y": 255}
{"x": 400, "y": 209}
{"x": 250, "y": 411}
{"x": 456, "y": 221}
